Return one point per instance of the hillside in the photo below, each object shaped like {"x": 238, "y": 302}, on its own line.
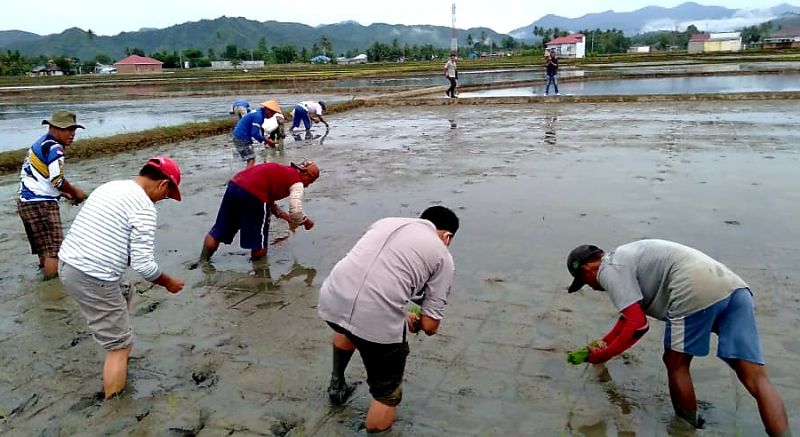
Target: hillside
{"x": 218, "y": 33}
{"x": 16, "y": 36}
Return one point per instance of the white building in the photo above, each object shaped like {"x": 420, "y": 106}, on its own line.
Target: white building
{"x": 715, "y": 42}
{"x": 224, "y": 65}
{"x": 570, "y": 46}
{"x": 360, "y": 59}
{"x": 639, "y": 49}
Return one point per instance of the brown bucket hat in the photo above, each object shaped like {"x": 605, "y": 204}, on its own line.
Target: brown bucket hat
{"x": 63, "y": 120}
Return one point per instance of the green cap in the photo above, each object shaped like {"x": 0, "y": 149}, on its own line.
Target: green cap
{"x": 63, "y": 120}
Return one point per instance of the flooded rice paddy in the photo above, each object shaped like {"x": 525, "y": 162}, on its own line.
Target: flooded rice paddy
{"x": 241, "y": 352}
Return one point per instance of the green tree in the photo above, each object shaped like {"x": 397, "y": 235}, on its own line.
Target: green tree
{"x": 14, "y": 64}
{"x": 470, "y": 41}
{"x": 231, "y": 52}
{"x": 133, "y": 51}
{"x": 102, "y": 58}
{"x": 326, "y": 45}
{"x": 285, "y": 54}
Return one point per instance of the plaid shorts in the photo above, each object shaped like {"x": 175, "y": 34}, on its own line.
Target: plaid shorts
{"x": 42, "y": 221}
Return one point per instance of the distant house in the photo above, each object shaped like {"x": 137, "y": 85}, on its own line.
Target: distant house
{"x": 570, "y": 46}
{"x": 360, "y": 59}
{"x": 788, "y": 38}
{"x": 224, "y": 65}
{"x": 48, "y": 70}
{"x": 135, "y": 64}
{"x": 715, "y": 42}
{"x": 320, "y": 59}
{"x": 639, "y": 49}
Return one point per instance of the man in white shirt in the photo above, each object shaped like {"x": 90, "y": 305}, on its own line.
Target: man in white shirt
{"x": 451, "y": 73}
{"x": 307, "y": 112}
{"x": 365, "y": 300}
{"x": 116, "y": 228}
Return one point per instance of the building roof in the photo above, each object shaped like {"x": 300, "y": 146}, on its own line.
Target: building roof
{"x": 569, "y": 39}
{"x": 788, "y": 32}
{"x": 700, "y": 37}
{"x": 138, "y": 60}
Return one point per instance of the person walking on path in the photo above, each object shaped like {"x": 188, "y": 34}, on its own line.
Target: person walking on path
{"x": 250, "y": 128}
{"x": 42, "y": 183}
{"x": 117, "y": 228}
{"x": 365, "y": 298}
{"x": 249, "y": 201}
{"x": 695, "y": 295}
{"x": 307, "y": 112}
{"x": 451, "y": 73}
{"x": 240, "y": 108}
{"x": 551, "y": 70}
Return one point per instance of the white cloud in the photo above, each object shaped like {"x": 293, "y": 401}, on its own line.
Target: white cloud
{"x": 742, "y": 18}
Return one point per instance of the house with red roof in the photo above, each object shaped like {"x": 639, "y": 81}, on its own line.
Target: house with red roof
{"x": 570, "y": 46}
{"x": 135, "y": 64}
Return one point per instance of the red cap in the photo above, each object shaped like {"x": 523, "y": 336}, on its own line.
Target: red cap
{"x": 171, "y": 171}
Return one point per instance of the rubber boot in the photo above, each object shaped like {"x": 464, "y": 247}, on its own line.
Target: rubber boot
{"x": 338, "y": 389}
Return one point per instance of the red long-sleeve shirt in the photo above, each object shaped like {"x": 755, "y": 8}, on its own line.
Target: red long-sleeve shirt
{"x": 630, "y": 327}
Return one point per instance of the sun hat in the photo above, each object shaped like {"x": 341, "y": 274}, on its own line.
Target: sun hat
{"x": 272, "y": 105}
{"x": 63, "y": 120}
{"x": 171, "y": 170}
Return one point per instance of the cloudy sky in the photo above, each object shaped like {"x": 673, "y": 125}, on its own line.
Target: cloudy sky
{"x": 109, "y": 17}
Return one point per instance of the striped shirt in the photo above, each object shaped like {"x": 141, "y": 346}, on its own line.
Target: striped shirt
{"x": 115, "y": 227}
{"x": 43, "y": 171}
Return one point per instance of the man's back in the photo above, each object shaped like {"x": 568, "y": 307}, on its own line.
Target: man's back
{"x": 397, "y": 260}
{"x": 674, "y": 280}
{"x": 246, "y": 125}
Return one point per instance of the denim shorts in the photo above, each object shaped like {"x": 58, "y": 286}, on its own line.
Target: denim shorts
{"x": 732, "y": 319}
{"x": 245, "y": 148}
{"x": 243, "y": 213}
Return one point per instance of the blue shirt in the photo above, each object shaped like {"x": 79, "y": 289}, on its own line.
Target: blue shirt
{"x": 43, "y": 171}
{"x": 240, "y": 103}
{"x": 249, "y": 127}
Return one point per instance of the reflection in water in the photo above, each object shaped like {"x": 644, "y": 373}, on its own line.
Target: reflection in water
{"x": 550, "y": 130}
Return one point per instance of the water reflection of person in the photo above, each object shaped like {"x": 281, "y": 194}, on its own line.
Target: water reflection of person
{"x": 550, "y": 130}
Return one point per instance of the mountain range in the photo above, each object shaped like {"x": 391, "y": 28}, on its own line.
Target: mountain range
{"x": 244, "y": 33}
{"x": 651, "y": 18}
{"x": 216, "y": 34}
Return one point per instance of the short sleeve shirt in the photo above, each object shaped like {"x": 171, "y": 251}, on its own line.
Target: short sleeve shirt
{"x": 312, "y": 107}
{"x": 451, "y": 68}
{"x": 396, "y": 261}
{"x": 42, "y": 172}
{"x": 669, "y": 279}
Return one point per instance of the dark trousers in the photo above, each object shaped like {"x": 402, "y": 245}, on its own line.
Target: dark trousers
{"x": 452, "y": 90}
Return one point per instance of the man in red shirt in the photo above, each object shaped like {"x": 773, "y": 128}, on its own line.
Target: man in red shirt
{"x": 250, "y": 200}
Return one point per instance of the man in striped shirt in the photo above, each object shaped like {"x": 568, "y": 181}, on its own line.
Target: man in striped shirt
{"x": 42, "y": 184}
{"x": 116, "y": 228}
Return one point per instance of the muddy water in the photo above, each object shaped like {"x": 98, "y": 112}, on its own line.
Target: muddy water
{"x": 20, "y": 124}
{"x": 666, "y": 85}
{"x": 240, "y": 350}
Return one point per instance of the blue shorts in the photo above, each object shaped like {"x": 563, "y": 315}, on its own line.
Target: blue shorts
{"x": 242, "y": 212}
{"x": 732, "y": 319}
{"x": 301, "y": 114}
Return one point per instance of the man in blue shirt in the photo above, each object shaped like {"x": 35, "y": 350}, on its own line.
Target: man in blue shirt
{"x": 249, "y": 128}
{"x": 240, "y": 108}
{"x": 41, "y": 186}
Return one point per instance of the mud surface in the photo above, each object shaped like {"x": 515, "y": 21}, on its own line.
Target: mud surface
{"x": 241, "y": 352}
{"x": 20, "y": 124}
{"x": 666, "y": 85}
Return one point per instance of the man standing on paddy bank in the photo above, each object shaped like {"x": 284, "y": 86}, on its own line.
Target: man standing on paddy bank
{"x": 451, "y": 73}
{"x": 365, "y": 298}
{"x": 116, "y": 228}
{"x": 551, "y": 70}
{"x": 695, "y": 295}
{"x": 42, "y": 184}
